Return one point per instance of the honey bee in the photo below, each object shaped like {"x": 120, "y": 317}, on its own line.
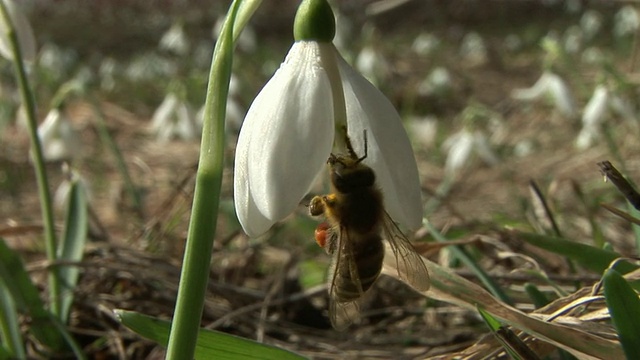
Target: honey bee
{"x": 356, "y": 225}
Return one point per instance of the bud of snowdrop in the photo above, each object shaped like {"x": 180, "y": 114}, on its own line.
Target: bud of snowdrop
{"x": 59, "y": 140}
{"x": 174, "y": 119}
{"x": 290, "y": 130}
{"x": 175, "y": 40}
{"x": 552, "y": 86}
{"x": 23, "y": 30}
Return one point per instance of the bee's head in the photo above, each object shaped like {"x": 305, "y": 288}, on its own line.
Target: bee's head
{"x": 349, "y": 174}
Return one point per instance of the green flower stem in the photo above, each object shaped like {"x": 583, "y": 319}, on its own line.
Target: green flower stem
{"x": 38, "y": 161}
{"x": 197, "y": 257}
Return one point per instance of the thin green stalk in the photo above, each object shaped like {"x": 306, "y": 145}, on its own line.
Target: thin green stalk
{"x": 38, "y": 161}
{"x": 197, "y": 257}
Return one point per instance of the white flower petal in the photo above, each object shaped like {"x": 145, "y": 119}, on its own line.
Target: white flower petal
{"x": 595, "y": 110}
{"x": 460, "y": 146}
{"x": 252, "y": 220}
{"x": 562, "y": 97}
{"x": 286, "y": 137}
{"x": 23, "y": 29}
{"x": 534, "y": 92}
{"x": 389, "y": 150}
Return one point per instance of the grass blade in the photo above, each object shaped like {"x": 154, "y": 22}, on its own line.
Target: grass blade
{"x": 511, "y": 343}
{"x": 9, "y": 327}
{"x": 592, "y": 258}
{"x": 72, "y": 246}
{"x": 461, "y": 255}
{"x": 210, "y": 344}
{"x": 624, "y": 308}
{"x": 27, "y": 298}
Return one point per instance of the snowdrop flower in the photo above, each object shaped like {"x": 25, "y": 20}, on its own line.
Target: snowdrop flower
{"x": 573, "y": 39}
{"x": 423, "y": 130}
{"x": 175, "y": 40}
{"x": 174, "y": 119}
{"x": 23, "y": 30}
{"x": 59, "y": 140}
{"x": 591, "y": 23}
{"x": 438, "y": 82}
{"x": 473, "y": 49}
{"x": 596, "y": 112}
{"x": 372, "y": 65}
{"x": 462, "y": 145}
{"x": 626, "y": 21}
{"x": 298, "y": 117}
{"x": 425, "y": 44}
{"x": 552, "y": 86}
{"x": 593, "y": 115}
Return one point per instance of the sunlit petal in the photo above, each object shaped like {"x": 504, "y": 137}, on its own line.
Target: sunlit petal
{"x": 23, "y": 30}
{"x": 389, "y": 150}
{"x": 286, "y": 137}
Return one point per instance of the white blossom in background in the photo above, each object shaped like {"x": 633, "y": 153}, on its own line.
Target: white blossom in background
{"x": 23, "y": 30}
{"x": 423, "y": 130}
{"x": 592, "y": 56}
{"x": 247, "y": 41}
{"x": 591, "y": 24}
{"x": 512, "y": 42}
{"x": 462, "y": 145}
{"x": 602, "y": 104}
{"x": 175, "y": 40}
{"x": 573, "y": 40}
{"x": 107, "y": 73}
{"x": 551, "y": 86}
{"x": 425, "y": 44}
{"x": 150, "y": 67}
{"x": 573, "y": 6}
{"x": 174, "y": 119}
{"x": 438, "y": 82}
{"x": 57, "y": 60}
{"x": 626, "y": 21}
{"x": 59, "y": 140}
{"x": 372, "y": 65}
{"x": 473, "y": 49}
{"x": 593, "y": 115}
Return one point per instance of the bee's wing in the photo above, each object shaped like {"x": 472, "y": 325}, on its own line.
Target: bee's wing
{"x": 408, "y": 262}
{"x": 342, "y": 313}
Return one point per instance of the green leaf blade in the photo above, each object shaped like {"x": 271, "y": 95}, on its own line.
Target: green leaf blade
{"x": 624, "y": 308}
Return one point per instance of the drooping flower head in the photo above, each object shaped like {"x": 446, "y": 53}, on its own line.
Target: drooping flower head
{"x": 296, "y": 121}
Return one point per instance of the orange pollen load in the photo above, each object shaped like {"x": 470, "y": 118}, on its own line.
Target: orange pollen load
{"x": 321, "y": 234}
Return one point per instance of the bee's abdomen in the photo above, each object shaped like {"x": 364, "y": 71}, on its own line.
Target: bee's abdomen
{"x": 368, "y": 253}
